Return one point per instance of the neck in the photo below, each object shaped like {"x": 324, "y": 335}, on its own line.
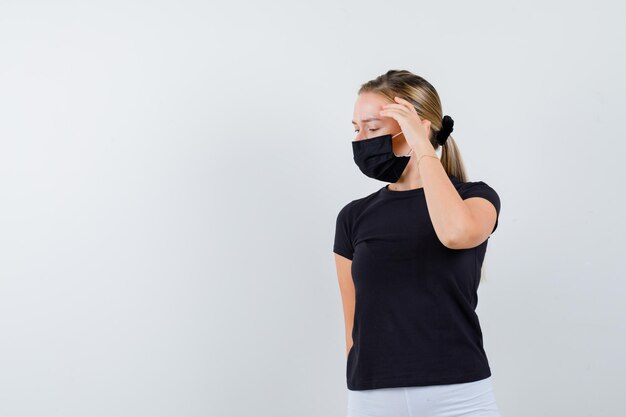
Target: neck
{"x": 410, "y": 178}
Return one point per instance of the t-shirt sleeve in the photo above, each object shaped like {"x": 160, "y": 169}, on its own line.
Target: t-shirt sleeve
{"x": 481, "y": 189}
{"x": 343, "y": 236}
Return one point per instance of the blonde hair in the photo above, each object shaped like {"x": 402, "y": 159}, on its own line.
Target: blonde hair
{"x": 424, "y": 97}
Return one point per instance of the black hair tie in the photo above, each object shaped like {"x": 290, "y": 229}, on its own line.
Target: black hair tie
{"x": 446, "y": 128}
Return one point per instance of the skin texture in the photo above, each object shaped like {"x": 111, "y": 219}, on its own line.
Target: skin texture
{"x": 458, "y": 223}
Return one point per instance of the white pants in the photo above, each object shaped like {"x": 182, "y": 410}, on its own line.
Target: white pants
{"x": 468, "y": 399}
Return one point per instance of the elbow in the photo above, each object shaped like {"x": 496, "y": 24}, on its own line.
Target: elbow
{"x": 456, "y": 238}
{"x": 449, "y": 243}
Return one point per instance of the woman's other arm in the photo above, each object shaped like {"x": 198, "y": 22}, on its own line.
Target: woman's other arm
{"x": 346, "y": 286}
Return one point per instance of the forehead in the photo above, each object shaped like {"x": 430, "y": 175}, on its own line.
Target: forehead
{"x": 368, "y": 106}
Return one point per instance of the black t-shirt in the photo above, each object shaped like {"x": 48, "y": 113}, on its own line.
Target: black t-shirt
{"x": 414, "y": 322}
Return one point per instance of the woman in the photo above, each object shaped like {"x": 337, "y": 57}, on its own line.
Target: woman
{"x": 409, "y": 259}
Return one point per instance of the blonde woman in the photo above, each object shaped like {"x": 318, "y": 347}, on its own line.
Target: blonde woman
{"x": 409, "y": 261}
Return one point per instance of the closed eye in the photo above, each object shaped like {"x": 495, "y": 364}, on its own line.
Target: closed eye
{"x": 371, "y": 130}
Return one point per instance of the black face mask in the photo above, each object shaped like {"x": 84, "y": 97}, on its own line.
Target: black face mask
{"x": 375, "y": 158}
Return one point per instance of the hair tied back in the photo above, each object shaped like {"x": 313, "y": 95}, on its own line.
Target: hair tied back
{"x": 447, "y": 126}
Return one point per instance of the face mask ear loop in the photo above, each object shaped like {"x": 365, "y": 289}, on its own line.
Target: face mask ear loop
{"x": 408, "y": 154}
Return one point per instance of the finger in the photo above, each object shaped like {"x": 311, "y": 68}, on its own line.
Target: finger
{"x": 405, "y": 110}
{"x": 393, "y": 113}
{"x": 396, "y": 107}
{"x": 383, "y": 114}
{"x": 403, "y": 104}
{"x": 407, "y": 103}
{"x": 403, "y": 101}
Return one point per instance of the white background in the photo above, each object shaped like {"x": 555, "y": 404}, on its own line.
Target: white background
{"x": 170, "y": 174}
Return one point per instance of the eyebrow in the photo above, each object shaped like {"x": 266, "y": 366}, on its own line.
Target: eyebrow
{"x": 367, "y": 120}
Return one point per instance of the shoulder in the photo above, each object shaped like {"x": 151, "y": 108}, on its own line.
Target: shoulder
{"x": 353, "y": 207}
{"x": 482, "y": 189}
{"x": 469, "y": 186}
